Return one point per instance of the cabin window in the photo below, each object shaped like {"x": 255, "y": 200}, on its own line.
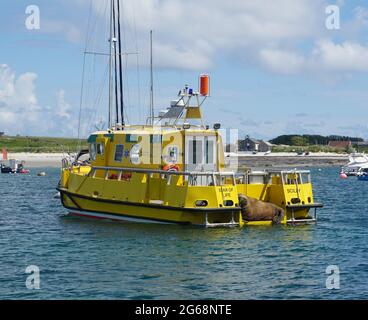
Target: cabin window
{"x": 156, "y": 138}
{"x": 100, "y": 149}
{"x": 196, "y": 152}
{"x": 131, "y": 138}
{"x": 119, "y": 152}
{"x": 93, "y": 151}
{"x": 209, "y": 151}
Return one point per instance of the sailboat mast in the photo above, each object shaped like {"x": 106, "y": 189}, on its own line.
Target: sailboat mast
{"x": 120, "y": 69}
{"x": 115, "y": 69}
{"x": 151, "y": 96}
{"x": 111, "y": 64}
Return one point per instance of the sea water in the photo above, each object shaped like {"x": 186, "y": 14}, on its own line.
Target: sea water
{"x": 83, "y": 259}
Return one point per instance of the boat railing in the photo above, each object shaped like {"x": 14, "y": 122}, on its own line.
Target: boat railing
{"x": 265, "y": 176}
{"x": 194, "y": 178}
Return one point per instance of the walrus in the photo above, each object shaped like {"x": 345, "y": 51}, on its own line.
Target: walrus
{"x": 257, "y": 210}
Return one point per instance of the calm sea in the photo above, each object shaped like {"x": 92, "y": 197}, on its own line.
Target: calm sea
{"x": 81, "y": 259}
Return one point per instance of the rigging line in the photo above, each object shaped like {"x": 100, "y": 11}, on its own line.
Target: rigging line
{"x": 120, "y": 69}
{"x": 137, "y": 60}
{"x": 98, "y": 98}
{"x": 82, "y": 85}
{"x": 115, "y": 67}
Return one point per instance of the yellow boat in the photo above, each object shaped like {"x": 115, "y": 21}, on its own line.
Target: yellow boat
{"x": 172, "y": 170}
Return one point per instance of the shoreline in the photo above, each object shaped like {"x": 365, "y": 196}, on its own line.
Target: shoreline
{"x": 287, "y": 160}
{"x": 276, "y": 160}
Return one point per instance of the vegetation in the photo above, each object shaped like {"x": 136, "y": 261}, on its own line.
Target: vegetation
{"x": 314, "y": 148}
{"x": 40, "y": 144}
{"x": 307, "y": 139}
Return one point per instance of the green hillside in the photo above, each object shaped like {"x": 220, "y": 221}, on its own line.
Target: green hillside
{"x": 40, "y": 144}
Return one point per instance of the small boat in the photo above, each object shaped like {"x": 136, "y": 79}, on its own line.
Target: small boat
{"x": 356, "y": 161}
{"x": 362, "y": 174}
{"x": 14, "y": 166}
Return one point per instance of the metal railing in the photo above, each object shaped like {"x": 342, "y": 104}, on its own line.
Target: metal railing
{"x": 211, "y": 178}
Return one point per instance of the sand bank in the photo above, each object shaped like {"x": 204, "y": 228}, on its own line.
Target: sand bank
{"x": 42, "y": 160}
{"x": 320, "y": 159}
{"x": 39, "y": 160}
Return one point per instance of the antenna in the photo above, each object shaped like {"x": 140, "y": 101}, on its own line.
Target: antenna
{"x": 151, "y": 98}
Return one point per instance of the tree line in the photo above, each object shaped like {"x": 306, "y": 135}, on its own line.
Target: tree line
{"x": 310, "y": 139}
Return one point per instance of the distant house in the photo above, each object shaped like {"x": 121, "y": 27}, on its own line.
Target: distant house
{"x": 2, "y": 133}
{"x": 249, "y": 144}
{"x": 340, "y": 144}
{"x": 362, "y": 144}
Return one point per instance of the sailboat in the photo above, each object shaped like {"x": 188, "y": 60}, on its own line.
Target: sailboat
{"x": 172, "y": 170}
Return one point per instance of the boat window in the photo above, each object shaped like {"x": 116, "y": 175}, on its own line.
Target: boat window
{"x": 195, "y": 149}
{"x": 209, "y": 151}
{"x": 119, "y": 152}
{"x": 156, "y": 138}
{"x": 131, "y": 138}
{"x": 100, "y": 149}
{"x": 93, "y": 152}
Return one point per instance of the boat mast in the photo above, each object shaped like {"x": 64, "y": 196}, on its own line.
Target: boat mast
{"x": 110, "y": 63}
{"x": 151, "y": 97}
{"x": 120, "y": 69}
{"x": 116, "y": 70}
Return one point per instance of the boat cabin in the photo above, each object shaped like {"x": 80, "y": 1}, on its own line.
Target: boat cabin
{"x": 177, "y": 149}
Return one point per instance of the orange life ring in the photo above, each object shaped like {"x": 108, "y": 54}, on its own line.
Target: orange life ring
{"x": 171, "y": 167}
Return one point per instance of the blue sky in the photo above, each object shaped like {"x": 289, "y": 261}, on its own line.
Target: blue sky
{"x": 275, "y": 68}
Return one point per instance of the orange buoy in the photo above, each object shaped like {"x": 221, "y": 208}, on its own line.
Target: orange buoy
{"x": 204, "y": 81}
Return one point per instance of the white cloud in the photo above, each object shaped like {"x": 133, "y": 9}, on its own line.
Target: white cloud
{"x": 327, "y": 56}
{"x": 21, "y": 113}
{"x": 347, "y": 56}
{"x": 193, "y": 34}
{"x": 63, "y": 108}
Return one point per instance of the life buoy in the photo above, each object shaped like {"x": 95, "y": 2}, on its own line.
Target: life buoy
{"x": 171, "y": 168}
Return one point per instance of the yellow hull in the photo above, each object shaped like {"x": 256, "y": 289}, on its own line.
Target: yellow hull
{"x": 156, "y": 197}
{"x": 119, "y": 210}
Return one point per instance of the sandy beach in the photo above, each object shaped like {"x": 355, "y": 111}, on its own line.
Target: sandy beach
{"x": 43, "y": 160}
{"x": 39, "y": 160}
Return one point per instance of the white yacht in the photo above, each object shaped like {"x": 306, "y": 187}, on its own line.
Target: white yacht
{"x": 356, "y": 161}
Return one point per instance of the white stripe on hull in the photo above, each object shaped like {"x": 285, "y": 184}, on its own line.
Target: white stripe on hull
{"x": 106, "y": 216}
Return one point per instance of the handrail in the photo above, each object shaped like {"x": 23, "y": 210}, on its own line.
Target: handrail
{"x": 179, "y": 173}
{"x": 192, "y": 175}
